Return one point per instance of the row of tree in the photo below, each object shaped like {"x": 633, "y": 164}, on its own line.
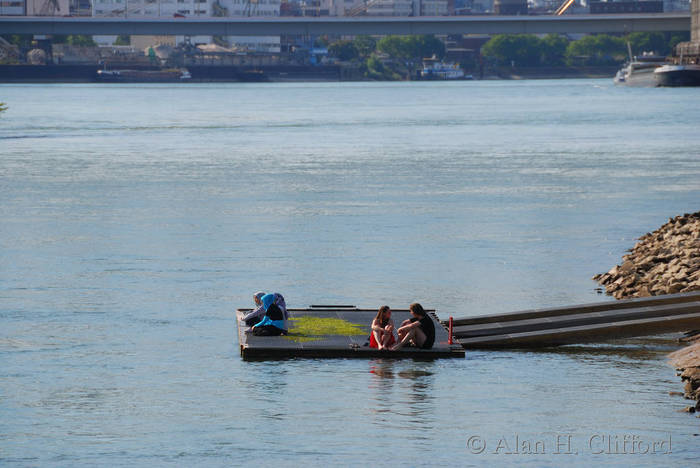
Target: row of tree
{"x": 553, "y": 50}
{"x": 556, "y": 50}
{"x": 25, "y": 40}
{"x": 398, "y": 47}
{"x": 404, "y": 54}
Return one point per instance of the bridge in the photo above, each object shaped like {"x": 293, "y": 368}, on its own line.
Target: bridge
{"x": 614, "y": 23}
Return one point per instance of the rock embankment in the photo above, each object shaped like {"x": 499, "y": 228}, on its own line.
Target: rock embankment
{"x": 687, "y": 361}
{"x": 666, "y": 261}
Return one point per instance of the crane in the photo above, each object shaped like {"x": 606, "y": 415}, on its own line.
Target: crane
{"x": 563, "y": 7}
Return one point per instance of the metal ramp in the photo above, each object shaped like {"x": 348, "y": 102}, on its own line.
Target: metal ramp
{"x": 581, "y": 323}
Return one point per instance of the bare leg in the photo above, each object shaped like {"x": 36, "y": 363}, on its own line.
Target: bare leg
{"x": 403, "y": 340}
{"x": 419, "y": 338}
{"x": 400, "y": 332}
{"x": 415, "y": 336}
{"x": 378, "y": 338}
{"x": 385, "y": 338}
{"x": 390, "y": 339}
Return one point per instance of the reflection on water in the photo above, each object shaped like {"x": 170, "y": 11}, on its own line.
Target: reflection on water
{"x": 382, "y": 368}
{"x": 382, "y": 386}
{"x": 404, "y": 389}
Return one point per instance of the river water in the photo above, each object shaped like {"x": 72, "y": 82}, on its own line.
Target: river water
{"x": 134, "y": 219}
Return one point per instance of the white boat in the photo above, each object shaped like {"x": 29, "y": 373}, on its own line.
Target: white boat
{"x": 640, "y": 70}
{"x": 435, "y": 69}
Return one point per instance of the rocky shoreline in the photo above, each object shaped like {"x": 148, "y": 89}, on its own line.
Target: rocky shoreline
{"x": 666, "y": 261}
{"x": 687, "y": 362}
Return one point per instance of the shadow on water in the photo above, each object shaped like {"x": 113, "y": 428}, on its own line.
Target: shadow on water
{"x": 627, "y": 353}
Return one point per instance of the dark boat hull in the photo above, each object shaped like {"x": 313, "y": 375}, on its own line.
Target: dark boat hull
{"x": 677, "y": 76}
{"x": 138, "y": 76}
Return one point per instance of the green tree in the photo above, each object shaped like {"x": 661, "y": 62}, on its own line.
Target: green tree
{"x": 365, "y": 45}
{"x": 678, "y": 37}
{"x": 73, "y": 39}
{"x": 377, "y": 70}
{"x": 123, "y": 40}
{"x": 600, "y": 49}
{"x": 521, "y": 49}
{"x": 553, "y": 49}
{"x": 393, "y": 46}
{"x": 648, "y": 42}
{"x": 80, "y": 40}
{"x": 343, "y": 50}
{"x": 21, "y": 40}
{"x": 429, "y": 45}
{"x": 3, "y": 107}
{"x": 321, "y": 41}
{"x": 411, "y": 47}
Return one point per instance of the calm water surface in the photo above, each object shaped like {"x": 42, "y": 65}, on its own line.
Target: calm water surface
{"x": 134, "y": 219}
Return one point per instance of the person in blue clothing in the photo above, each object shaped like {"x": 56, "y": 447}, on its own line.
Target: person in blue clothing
{"x": 273, "y": 322}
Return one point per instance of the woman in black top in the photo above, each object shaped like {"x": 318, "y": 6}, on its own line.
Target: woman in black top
{"x": 418, "y": 331}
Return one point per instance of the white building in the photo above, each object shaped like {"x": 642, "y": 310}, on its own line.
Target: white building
{"x": 150, "y": 8}
{"x": 251, "y": 8}
{"x": 390, "y": 8}
{"x": 12, "y": 7}
{"x": 349, "y": 7}
{"x": 197, "y": 8}
{"x": 397, "y": 8}
{"x": 433, "y": 7}
{"x": 676, "y": 5}
{"x": 34, "y": 8}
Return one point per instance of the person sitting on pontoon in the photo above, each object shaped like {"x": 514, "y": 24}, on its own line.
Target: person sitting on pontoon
{"x": 254, "y": 316}
{"x": 279, "y": 301}
{"x": 382, "y": 336}
{"x": 418, "y": 331}
{"x": 274, "y": 322}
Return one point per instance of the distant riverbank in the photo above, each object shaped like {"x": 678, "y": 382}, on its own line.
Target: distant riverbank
{"x": 86, "y": 73}
{"x": 278, "y": 73}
